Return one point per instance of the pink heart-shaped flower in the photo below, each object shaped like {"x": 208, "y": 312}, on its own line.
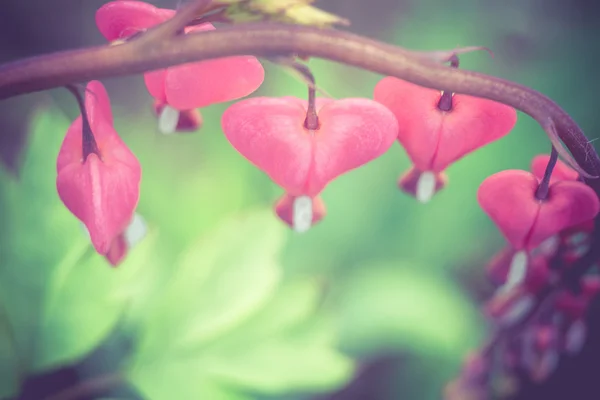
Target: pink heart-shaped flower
{"x": 102, "y": 190}
{"x": 508, "y": 197}
{"x": 433, "y": 138}
{"x": 270, "y": 133}
{"x": 187, "y": 86}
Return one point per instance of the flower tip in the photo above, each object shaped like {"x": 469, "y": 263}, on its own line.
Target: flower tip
{"x": 422, "y": 184}
{"x": 301, "y": 212}
{"x": 117, "y": 251}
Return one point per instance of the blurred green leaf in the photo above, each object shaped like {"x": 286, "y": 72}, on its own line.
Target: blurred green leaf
{"x": 223, "y": 320}
{"x": 9, "y": 362}
{"x": 280, "y": 365}
{"x": 41, "y": 230}
{"x": 85, "y": 300}
{"x": 402, "y": 306}
{"x": 286, "y": 329}
{"x": 220, "y": 280}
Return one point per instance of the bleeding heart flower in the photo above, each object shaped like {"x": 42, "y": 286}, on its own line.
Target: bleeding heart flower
{"x": 508, "y": 265}
{"x": 181, "y": 88}
{"x": 561, "y": 171}
{"x": 433, "y": 138}
{"x": 100, "y": 188}
{"x": 509, "y": 199}
{"x": 270, "y": 132}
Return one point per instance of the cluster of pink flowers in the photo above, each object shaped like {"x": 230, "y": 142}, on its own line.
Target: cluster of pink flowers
{"x": 535, "y": 287}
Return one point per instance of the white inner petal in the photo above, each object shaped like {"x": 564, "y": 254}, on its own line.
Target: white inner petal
{"x": 516, "y": 271}
{"x": 136, "y": 230}
{"x": 168, "y": 119}
{"x": 302, "y": 215}
{"x": 425, "y": 187}
{"x": 548, "y": 246}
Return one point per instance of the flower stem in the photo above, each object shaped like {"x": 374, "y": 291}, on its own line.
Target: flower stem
{"x": 312, "y": 120}
{"x": 542, "y": 191}
{"x": 88, "y": 142}
{"x": 445, "y": 103}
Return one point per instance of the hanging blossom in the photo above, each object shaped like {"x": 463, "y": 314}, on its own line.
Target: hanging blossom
{"x": 98, "y": 176}
{"x": 577, "y": 237}
{"x": 277, "y": 135}
{"x": 532, "y": 224}
{"x": 178, "y": 91}
{"x": 437, "y": 129}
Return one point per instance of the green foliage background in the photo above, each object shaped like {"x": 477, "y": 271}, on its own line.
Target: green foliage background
{"x": 221, "y": 300}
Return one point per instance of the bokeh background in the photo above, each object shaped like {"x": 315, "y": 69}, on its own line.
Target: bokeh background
{"x": 220, "y": 300}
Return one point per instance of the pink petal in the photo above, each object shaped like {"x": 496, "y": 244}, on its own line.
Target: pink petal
{"x": 508, "y": 197}
{"x": 353, "y": 132}
{"x": 155, "y": 82}
{"x": 203, "y": 83}
{"x": 97, "y": 104}
{"x": 561, "y": 172}
{"x": 120, "y": 19}
{"x": 103, "y": 196}
{"x": 569, "y": 203}
{"x": 434, "y": 139}
{"x": 270, "y": 133}
{"x": 284, "y": 209}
